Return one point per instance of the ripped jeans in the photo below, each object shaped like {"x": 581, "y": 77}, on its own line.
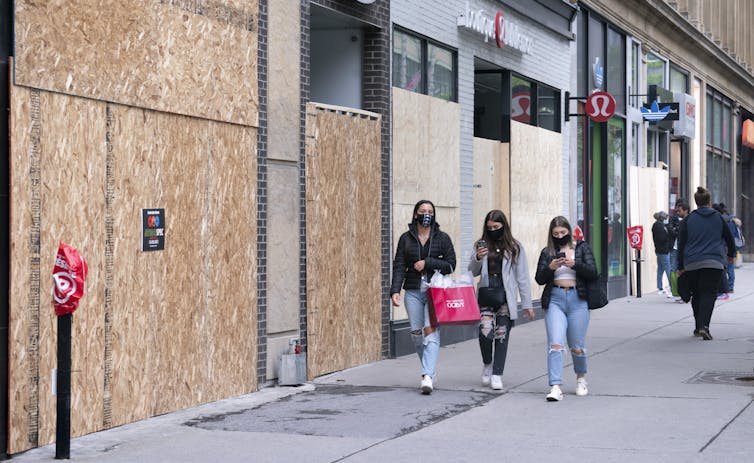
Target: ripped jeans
{"x": 494, "y": 332}
{"x": 427, "y": 347}
{"x": 566, "y": 319}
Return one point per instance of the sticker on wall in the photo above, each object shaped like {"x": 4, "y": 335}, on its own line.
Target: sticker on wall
{"x": 152, "y": 229}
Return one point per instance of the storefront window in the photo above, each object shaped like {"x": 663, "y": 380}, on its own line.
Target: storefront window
{"x": 719, "y": 164}
{"x": 708, "y": 113}
{"x": 520, "y": 100}
{"x": 548, "y": 108}
{"x": 596, "y": 53}
{"x": 422, "y": 66}
{"x": 407, "y": 62}
{"x": 616, "y": 237}
{"x": 440, "y": 72}
{"x": 651, "y": 143}
{"x": 679, "y": 80}
{"x": 616, "y": 68}
{"x": 635, "y": 69}
{"x": 488, "y": 105}
{"x": 635, "y": 156}
{"x": 655, "y": 70}
{"x": 717, "y": 114}
{"x": 725, "y": 132}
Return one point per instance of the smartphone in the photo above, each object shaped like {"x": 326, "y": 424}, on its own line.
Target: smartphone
{"x": 481, "y": 244}
{"x": 560, "y": 255}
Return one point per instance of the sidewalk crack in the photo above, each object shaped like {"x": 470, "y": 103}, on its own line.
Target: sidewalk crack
{"x": 725, "y": 427}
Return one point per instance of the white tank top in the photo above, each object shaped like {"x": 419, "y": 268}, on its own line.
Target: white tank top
{"x": 565, "y": 273}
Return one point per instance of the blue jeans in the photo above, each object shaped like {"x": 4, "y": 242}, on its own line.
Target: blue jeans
{"x": 427, "y": 347}
{"x": 673, "y": 260}
{"x": 566, "y": 319}
{"x": 730, "y": 269}
{"x": 663, "y": 265}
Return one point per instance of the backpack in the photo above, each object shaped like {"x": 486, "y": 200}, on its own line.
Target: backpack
{"x": 738, "y": 236}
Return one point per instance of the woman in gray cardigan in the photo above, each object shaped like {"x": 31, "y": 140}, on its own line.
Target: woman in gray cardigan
{"x": 500, "y": 262}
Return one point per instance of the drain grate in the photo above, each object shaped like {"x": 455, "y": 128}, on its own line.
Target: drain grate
{"x": 722, "y": 377}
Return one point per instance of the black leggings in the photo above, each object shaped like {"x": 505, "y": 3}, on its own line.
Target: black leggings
{"x": 703, "y": 284}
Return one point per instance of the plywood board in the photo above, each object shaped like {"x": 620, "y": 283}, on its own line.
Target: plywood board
{"x": 193, "y": 58}
{"x": 343, "y": 239}
{"x": 535, "y": 198}
{"x": 156, "y": 331}
{"x": 59, "y": 140}
{"x": 492, "y": 175}
{"x": 426, "y": 149}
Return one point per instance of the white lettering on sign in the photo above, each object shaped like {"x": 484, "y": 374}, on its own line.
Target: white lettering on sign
{"x": 503, "y": 31}
{"x": 454, "y": 304}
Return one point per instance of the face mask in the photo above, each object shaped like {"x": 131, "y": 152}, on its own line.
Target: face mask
{"x": 425, "y": 220}
{"x": 666, "y": 221}
{"x": 561, "y": 241}
{"x": 495, "y": 235}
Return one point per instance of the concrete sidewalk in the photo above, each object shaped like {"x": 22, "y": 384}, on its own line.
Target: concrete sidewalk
{"x": 656, "y": 394}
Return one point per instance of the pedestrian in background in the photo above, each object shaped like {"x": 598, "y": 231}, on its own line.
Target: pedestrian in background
{"x": 729, "y": 278}
{"x": 681, "y": 211}
{"x": 421, "y": 250}
{"x": 564, "y": 267}
{"x": 500, "y": 262}
{"x": 663, "y": 244}
{"x": 702, "y": 241}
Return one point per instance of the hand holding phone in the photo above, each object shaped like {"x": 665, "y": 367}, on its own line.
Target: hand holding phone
{"x": 560, "y": 255}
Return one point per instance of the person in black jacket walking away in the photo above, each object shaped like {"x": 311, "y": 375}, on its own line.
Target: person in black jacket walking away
{"x": 564, "y": 268}
{"x": 702, "y": 241}
{"x": 421, "y": 250}
{"x": 663, "y": 244}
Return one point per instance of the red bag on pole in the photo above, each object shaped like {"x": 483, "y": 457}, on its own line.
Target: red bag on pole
{"x": 455, "y": 305}
{"x": 68, "y": 277}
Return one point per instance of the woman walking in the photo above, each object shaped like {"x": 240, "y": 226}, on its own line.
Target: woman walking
{"x": 500, "y": 261}
{"x": 421, "y": 250}
{"x": 565, "y": 266}
{"x": 702, "y": 242}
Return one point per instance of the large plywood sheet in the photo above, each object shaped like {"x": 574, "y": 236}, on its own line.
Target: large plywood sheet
{"x": 343, "y": 239}
{"x": 57, "y": 143}
{"x": 492, "y": 175}
{"x": 535, "y": 198}
{"x": 156, "y": 331}
{"x": 426, "y": 149}
{"x": 195, "y": 58}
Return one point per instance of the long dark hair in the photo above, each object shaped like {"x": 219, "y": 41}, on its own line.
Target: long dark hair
{"x": 506, "y": 243}
{"x": 558, "y": 221}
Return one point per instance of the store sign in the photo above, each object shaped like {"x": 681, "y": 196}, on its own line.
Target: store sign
{"x": 636, "y": 237}
{"x": 498, "y": 28}
{"x": 659, "y": 112}
{"x": 685, "y": 126}
{"x": 600, "y": 106}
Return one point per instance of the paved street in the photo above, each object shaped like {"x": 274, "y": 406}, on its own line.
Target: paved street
{"x": 657, "y": 394}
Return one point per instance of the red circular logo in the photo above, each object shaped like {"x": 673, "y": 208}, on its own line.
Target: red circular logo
{"x": 600, "y": 106}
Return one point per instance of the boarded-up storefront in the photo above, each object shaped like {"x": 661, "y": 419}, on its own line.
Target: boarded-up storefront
{"x": 343, "y": 238}
{"x": 151, "y": 105}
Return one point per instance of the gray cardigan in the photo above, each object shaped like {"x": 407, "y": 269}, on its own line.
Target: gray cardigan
{"x": 515, "y": 278}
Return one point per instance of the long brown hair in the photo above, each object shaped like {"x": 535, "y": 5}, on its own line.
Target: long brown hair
{"x": 558, "y": 221}
{"x": 506, "y": 242}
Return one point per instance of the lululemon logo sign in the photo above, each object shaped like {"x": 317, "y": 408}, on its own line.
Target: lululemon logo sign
{"x": 454, "y": 304}
{"x": 600, "y": 106}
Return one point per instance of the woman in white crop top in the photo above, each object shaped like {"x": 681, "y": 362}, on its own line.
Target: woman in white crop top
{"x": 564, "y": 268}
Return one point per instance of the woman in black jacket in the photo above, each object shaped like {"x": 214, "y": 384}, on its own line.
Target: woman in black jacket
{"x": 564, "y": 268}
{"x": 421, "y": 250}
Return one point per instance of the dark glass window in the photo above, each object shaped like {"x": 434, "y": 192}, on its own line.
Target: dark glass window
{"x": 423, "y": 66}
{"x": 521, "y": 98}
{"x": 548, "y": 108}
{"x": 616, "y": 68}
{"x": 488, "y": 105}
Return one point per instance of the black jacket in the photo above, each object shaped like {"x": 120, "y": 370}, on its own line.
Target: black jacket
{"x": 661, "y": 238}
{"x": 704, "y": 238}
{"x": 441, "y": 257}
{"x": 585, "y": 267}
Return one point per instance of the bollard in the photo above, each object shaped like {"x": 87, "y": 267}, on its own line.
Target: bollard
{"x": 63, "y": 420}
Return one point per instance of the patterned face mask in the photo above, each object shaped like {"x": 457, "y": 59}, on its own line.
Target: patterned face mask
{"x": 425, "y": 220}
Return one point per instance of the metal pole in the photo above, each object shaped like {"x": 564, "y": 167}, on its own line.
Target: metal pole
{"x": 638, "y": 273}
{"x": 63, "y": 422}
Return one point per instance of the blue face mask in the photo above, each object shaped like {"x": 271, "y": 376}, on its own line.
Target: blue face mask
{"x": 425, "y": 220}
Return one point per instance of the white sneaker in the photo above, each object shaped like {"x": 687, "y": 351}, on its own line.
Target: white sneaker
{"x": 426, "y": 384}
{"x": 496, "y": 382}
{"x": 486, "y": 373}
{"x": 555, "y": 394}
{"x": 581, "y": 389}
{"x": 669, "y": 294}
{"x": 660, "y": 292}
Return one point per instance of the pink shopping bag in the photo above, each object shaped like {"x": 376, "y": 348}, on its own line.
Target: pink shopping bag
{"x": 453, "y": 306}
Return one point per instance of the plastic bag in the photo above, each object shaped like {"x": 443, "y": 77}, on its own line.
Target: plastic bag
{"x": 68, "y": 278}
